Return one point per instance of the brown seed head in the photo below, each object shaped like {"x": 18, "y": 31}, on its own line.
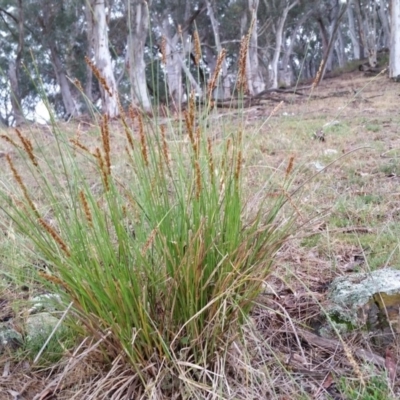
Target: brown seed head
{"x": 21, "y": 184}
{"x": 197, "y": 47}
{"x": 57, "y": 238}
{"x": 86, "y": 208}
{"x": 242, "y": 78}
{"x": 165, "y": 145}
{"x": 143, "y": 144}
{"x": 149, "y": 241}
{"x": 105, "y": 136}
{"x": 198, "y": 179}
{"x": 27, "y": 145}
{"x": 98, "y": 75}
{"x": 214, "y": 78}
{"x": 163, "y": 50}
{"x": 289, "y": 168}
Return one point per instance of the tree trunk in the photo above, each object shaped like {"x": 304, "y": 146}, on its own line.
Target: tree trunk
{"x": 366, "y": 18}
{"x": 13, "y": 71}
{"x": 339, "y": 49}
{"x": 278, "y": 42}
{"x": 286, "y": 70}
{"x": 394, "y": 63}
{"x": 89, "y": 35}
{"x": 225, "y": 93}
{"x": 352, "y": 31}
{"x": 15, "y": 97}
{"x": 138, "y": 26}
{"x": 255, "y": 81}
{"x": 70, "y": 105}
{"x": 109, "y": 94}
{"x": 335, "y": 24}
{"x": 383, "y": 17}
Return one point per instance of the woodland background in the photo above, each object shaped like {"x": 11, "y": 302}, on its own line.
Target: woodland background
{"x": 44, "y": 44}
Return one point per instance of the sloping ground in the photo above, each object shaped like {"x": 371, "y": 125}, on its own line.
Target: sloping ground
{"x": 348, "y": 214}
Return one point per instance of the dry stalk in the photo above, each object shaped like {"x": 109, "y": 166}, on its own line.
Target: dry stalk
{"x": 80, "y": 145}
{"x": 149, "y": 241}
{"x": 98, "y": 75}
{"x": 210, "y": 159}
{"x": 198, "y": 179}
{"x": 52, "y": 279}
{"x": 318, "y": 76}
{"x": 275, "y": 110}
{"x": 7, "y": 139}
{"x": 78, "y": 84}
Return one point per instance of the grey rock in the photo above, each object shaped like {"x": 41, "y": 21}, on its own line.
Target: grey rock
{"x": 40, "y": 325}
{"x": 10, "y": 339}
{"x": 367, "y": 300}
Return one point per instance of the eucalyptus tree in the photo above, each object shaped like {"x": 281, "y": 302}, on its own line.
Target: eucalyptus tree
{"x": 53, "y": 22}
{"x": 281, "y": 11}
{"x": 138, "y": 26}
{"x": 12, "y": 28}
{"x": 102, "y": 56}
{"x": 224, "y": 90}
{"x": 174, "y": 20}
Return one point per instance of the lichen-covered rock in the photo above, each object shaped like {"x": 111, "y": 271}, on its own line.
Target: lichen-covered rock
{"x": 368, "y": 300}
{"x": 40, "y": 325}
{"x": 10, "y": 339}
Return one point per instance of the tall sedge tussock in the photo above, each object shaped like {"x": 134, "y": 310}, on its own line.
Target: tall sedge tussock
{"x": 179, "y": 282}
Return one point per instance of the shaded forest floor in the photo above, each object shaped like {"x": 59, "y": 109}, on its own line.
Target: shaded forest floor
{"x": 351, "y": 214}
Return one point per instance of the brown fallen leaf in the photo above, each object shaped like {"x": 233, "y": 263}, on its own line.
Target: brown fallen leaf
{"x": 326, "y": 384}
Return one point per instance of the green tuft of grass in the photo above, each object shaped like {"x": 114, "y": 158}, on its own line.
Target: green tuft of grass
{"x": 376, "y": 388}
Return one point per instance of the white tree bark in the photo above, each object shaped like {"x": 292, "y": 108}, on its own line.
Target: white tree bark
{"x": 352, "y": 31}
{"x": 286, "y": 71}
{"x": 278, "y": 41}
{"x": 69, "y": 102}
{"x": 13, "y": 71}
{"x": 383, "y": 17}
{"x": 138, "y": 26}
{"x": 103, "y": 59}
{"x": 255, "y": 80}
{"x": 225, "y": 84}
{"x": 366, "y": 18}
{"x": 394, "y": 63}
{"x": 89, "y": 35}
